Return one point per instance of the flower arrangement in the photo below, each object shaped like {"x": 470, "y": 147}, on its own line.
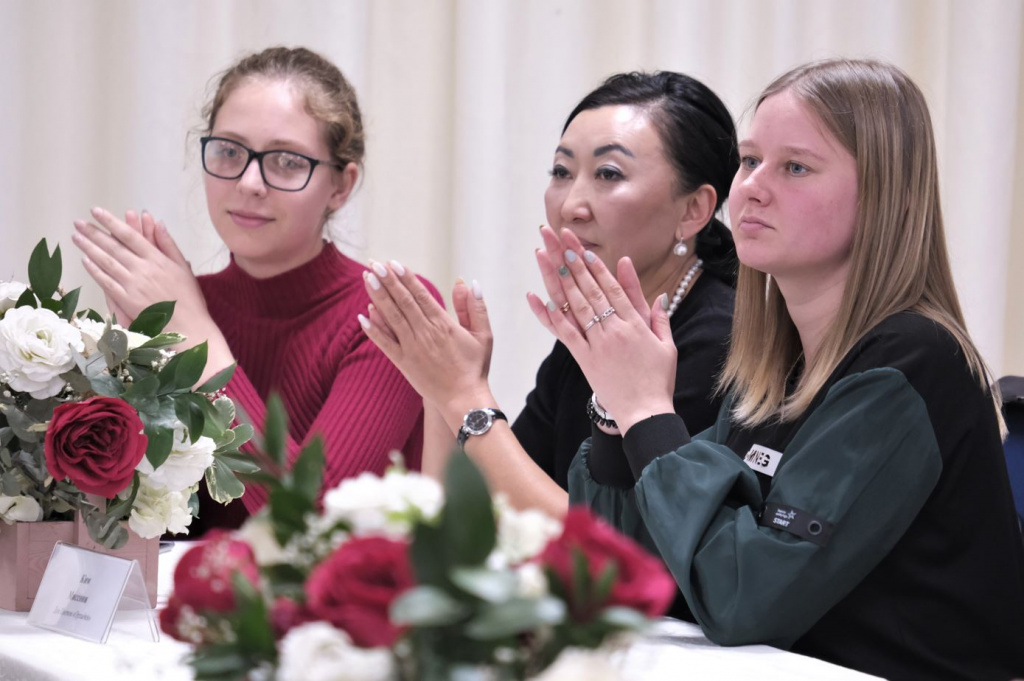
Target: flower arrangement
{"x": 395, "y": 579}
{"x": 103, "y": 420}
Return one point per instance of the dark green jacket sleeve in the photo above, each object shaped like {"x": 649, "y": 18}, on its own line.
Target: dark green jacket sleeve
{"x": 864, "y": 462}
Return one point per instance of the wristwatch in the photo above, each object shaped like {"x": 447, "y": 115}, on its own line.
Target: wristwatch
{"x": 477, "y": 422}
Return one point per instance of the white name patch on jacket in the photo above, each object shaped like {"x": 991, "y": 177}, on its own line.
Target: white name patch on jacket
{"x": 763, "y": 460}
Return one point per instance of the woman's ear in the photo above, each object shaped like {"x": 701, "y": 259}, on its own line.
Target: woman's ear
{"x": 698, "y": 210}
{"x": 344, "y": 183}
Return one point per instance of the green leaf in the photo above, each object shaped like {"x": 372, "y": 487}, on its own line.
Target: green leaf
{"x": 153, "y": 319}
{"x": 21, "y": 424}
{"x": 44, "y": 270}
{"x": 308, "y": 470}
{"x": 79, "y": 383}
{"x": 218, "y": 380}
{"x": 582, "y": 587}
{"x": 605, "y": 582}
{"x": 426, "y": 606}
{"x": 429, "y": 560}
{"x": 468, "y": 523}
{"x": 184, "y": 369}
{"x": 515, "y": 617}
{"x": 122, "y": 507}
{"x": 162, "y": 340}
{"x": 240, "y": 463}
{"x": 275, "y": 429}
{"x": 252, "y": 621}
{"x": 159, "y": 447}
{"x": 68, "y": 303}
{"x": 106, "y": 385}
{"x": 114, "y": 346}
{"x": 488, "y": 585}
{"x": 243, "y": 433}
{"x": 191, "y": 414}
{"x": 144, "y": 357}
{"x": 26, "y": 299}
{"x": 621, "y": 617}
{"x": 142, "y": 389}
{"x": 222, "y": 482}
{"x": 288, "y": 510}
{"x": 51, "y": 305}
{"x": 219, "y": 662}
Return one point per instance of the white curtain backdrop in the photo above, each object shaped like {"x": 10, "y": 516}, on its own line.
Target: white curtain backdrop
{"x": 464, "y": 101}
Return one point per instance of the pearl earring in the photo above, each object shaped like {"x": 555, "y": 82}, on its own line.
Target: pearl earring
{"x": 681, "y": 248}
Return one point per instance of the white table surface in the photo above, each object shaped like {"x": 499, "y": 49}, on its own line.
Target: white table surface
{"x": 672, "y": 650}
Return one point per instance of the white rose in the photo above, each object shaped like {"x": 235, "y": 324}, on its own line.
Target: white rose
{"x": 531, "y": 582}
{"x": 522, "y": 535}
{"x": 257, "y": 532}
{"x": 20, "y": 509}
{"x": 10, "y": 291}
{"x": 184, "y": 467}
{"x": 35, "y": 349}
{"x": 319, "y": 652}
{"x": 92, "y": 331}
{"x": 388, "y": 505}
{"x": 157, "y": 510}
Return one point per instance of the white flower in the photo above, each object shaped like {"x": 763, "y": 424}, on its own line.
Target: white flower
{"x": 522, "y": 535}
{"x": 20, "y": 509}
{"x": 35, "y": 349}
{"x": 388, "y": 505}
{"x": 531, "y": 582}
{"x": 185, "y": 466}
{"x": 10, "y": 291}
{"x": 92, "y": 331}
{"x": 319, "y": 652}
{"x": 157, "y": 510}
{"x": 257, "y": 532}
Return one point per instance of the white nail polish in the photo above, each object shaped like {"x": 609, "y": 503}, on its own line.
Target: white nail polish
{"x": 478, "y": 291}
{"x": 589, "y": 256}
{"x": 379, "y": 269}
{"x": 397, "y": 267}
{"x": 550, "y": 306}
{"x": 374, "y": 281}
{"x": 363, "y": 321}
{"x": 664, "y": 301}
{"x": 570, "y": 256}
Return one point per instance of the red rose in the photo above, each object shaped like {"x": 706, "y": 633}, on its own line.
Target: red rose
{"x": 286, "y": 614}
{"x": 170, "y": 618}
{"x": 641, "y": 583}
{"x": 355, "y": 586}
{"x": 202, "y": 578}
{"x": 96, "y": 443}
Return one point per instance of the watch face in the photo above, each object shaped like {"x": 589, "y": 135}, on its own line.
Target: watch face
{"x": 478, "y": 422}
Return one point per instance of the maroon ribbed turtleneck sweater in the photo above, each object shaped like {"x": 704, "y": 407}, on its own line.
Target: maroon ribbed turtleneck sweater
{"x": 297, "y": 334}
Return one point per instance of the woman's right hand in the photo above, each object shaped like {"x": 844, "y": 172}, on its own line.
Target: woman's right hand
{"x": 137, "y": 264}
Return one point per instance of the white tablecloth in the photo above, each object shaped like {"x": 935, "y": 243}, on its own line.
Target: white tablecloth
{"x": 672, "y": 650}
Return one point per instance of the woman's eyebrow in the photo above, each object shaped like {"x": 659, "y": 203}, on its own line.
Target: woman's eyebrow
{"x": 607, "y": 148}
{"x": 563, "y": 150}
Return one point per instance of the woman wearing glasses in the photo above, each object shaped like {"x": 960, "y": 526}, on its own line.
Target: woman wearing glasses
{"x": 282, "y": 153}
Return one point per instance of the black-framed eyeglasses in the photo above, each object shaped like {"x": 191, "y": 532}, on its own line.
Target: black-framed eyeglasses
{"x": 286, "y": 171}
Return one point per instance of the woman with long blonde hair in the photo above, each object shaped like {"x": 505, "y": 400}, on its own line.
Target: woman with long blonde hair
{"x": 851, "y": 502}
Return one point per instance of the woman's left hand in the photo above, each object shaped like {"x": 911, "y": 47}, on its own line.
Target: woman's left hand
{"x": 624, "y": 347}
{"x": 445, "y": 361}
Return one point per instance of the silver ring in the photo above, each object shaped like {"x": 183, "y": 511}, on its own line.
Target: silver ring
{"x": 593, "y": 321}
{"x": 606, "y": 314}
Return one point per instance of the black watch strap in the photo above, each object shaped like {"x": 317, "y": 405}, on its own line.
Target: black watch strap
{"x": 478, "y": 422}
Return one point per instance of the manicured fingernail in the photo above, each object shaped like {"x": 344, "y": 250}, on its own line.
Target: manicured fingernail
{"x": 540, "y": 228}
{"x": 551, "y": 306}
{"x": 79, "y": 225}
{"x": 563, "y": 271}
{"x": 397, "y": 267}
{"x": 363, "y": 321}
{"x": 664, "y": 301}
{"x": 97, "y": 211}
{"x": 570, "y": 256}
{"x": 589, "y": 256}
{"x": 373, "y": 280}
{"x": 379, "y": 269}
{"x": 478, "y": 292}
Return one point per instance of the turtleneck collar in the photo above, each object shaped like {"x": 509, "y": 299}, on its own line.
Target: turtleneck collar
{"x": 290, "y": 293}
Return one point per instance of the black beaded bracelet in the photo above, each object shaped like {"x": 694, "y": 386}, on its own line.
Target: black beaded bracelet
{"x": 599, "y": 415}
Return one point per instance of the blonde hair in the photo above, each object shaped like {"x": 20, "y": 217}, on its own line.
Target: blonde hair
{"x": 898, "y": 260}
{"x": 329, "y": 97}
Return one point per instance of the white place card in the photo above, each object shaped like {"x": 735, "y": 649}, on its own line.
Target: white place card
{"x": 83, "y": 592}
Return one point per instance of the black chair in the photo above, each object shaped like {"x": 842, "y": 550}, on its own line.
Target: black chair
{"x": 1012, "y": 388}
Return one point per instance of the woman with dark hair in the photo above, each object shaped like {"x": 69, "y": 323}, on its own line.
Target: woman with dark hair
{"x": 644, "y": 163}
